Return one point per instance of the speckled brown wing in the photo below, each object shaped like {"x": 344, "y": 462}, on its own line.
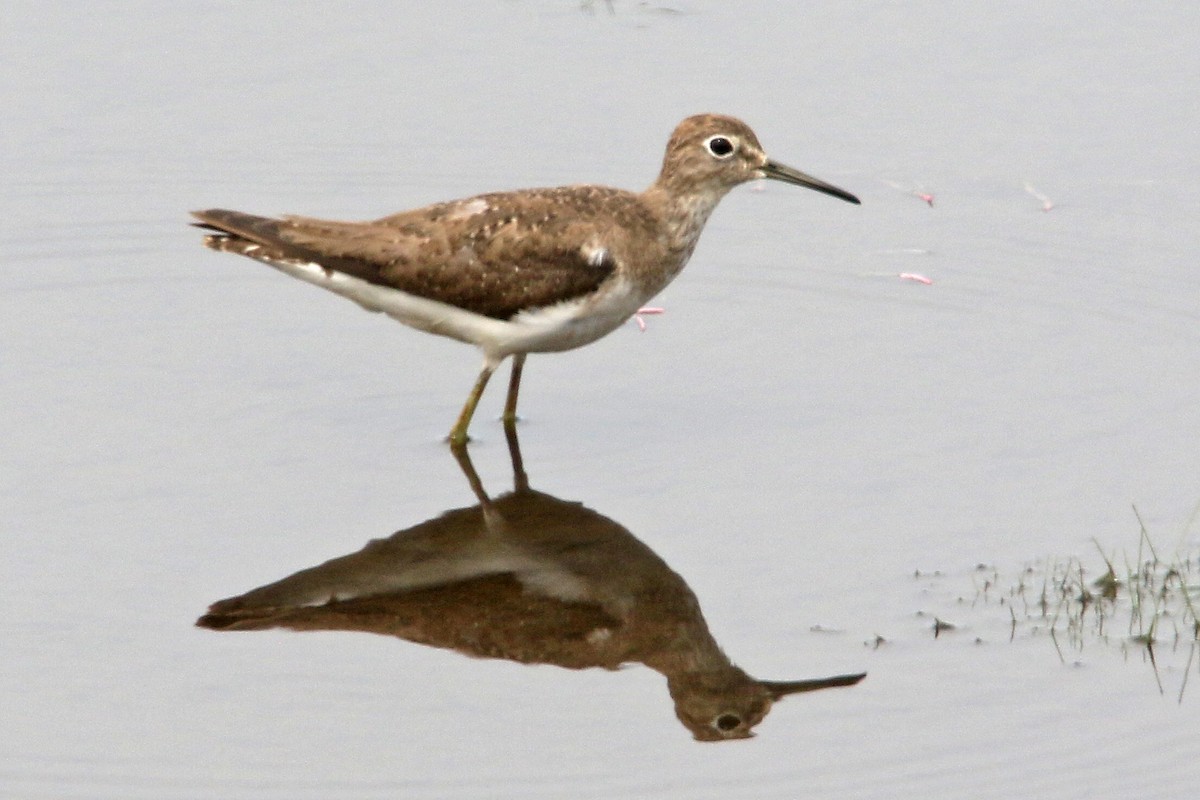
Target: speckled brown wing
{"x": 492, "y": 255}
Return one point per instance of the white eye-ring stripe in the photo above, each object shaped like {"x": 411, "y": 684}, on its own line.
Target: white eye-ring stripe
{"x": 732, "y": 141}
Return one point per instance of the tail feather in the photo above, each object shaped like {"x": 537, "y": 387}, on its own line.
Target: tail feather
{"x": 263, "y": 230}
{"x": 246, "y": 234}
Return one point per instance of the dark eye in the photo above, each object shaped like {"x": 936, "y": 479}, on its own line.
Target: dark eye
{"x": 719, "y": 146}
{"x": 727, "y": 722}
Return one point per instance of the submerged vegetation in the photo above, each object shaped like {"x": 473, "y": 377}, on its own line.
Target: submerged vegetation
{"x": 1142, "y": 601}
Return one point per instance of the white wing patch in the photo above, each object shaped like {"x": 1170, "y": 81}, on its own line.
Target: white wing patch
{"x": 597, "y": 255}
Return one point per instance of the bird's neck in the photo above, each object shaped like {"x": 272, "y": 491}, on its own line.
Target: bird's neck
{"x": 683, "y": 213}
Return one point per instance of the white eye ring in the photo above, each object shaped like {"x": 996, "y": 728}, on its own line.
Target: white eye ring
{"x": 720, "y": 146}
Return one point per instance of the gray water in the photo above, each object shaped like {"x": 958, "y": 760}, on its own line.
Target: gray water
{"x": 796, "y": 436}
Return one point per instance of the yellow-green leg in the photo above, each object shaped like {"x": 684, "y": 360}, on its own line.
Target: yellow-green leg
{"x": 458, "y": 434}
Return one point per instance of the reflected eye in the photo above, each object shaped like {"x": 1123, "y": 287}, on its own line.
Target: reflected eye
{"x": 719, "y": 146}
{"x": 727, "y": 722}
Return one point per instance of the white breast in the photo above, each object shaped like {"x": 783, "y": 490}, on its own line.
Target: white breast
{"x": 574, "y": 323}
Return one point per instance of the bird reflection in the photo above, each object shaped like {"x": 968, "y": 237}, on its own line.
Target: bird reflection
{"x": 529, "y": 578}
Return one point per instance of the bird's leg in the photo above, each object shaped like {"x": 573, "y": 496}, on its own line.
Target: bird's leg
{"x": 458, "y": 434}
{"x": 514, "y": 385}
{"x": 464, "y": 463}
{"x": 520, "y": 478}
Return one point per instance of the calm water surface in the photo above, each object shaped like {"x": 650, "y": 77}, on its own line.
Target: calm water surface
{"x": 794, "y": 440}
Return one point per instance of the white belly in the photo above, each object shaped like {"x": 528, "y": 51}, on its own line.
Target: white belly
{"x": 564, "y": 326}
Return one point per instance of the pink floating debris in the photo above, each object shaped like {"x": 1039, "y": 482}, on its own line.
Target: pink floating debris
{"x": 648, "y": 311}
{"x": 916, "y": 192}
{"x": 912, "y": 276}
{"x": 1047, "y": 203}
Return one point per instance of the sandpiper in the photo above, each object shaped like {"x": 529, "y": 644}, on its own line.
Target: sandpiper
{"x": 531, "y": 271}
